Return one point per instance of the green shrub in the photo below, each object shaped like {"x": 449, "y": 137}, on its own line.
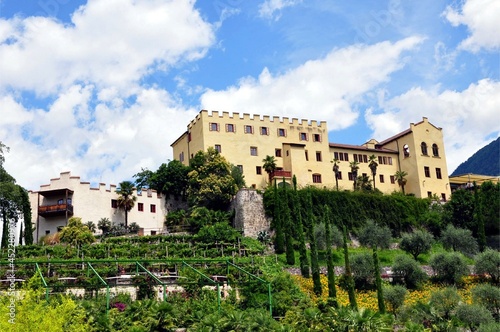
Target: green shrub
{"x": 489, "y": 327}
{"x": 487, "y": 296}
{"x": 445, "y": 301}
{"x": 416, "y": 243}
{"x": 394, "y": 296}
{"x": 449, "y": 267}
{"x": 488, "y": 262}
{"x": 218, "y": 232}
{"x": 320, "y": 234}
{"x": 375, "y": 236}
{"x": 459, "y": 239}
{"x": 409, "y": 271}
{"x": 473, "y": 315}
{"x": 362, "y": 271}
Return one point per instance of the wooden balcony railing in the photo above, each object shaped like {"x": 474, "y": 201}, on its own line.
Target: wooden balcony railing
{"x": 55, "y": 210}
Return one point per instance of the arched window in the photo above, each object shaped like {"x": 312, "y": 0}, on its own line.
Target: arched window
{"x": 435, "y": 150}
{"x": 423, "y": 146}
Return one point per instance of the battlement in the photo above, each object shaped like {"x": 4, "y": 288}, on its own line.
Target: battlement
{"x": 247, "y": 118}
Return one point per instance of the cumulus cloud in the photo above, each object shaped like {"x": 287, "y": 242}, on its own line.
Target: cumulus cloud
{"x": 271, "y": 9}
{"x": 482, "y": 19}
{"x": 109, "y": 43}
{"x": 323, "y": 89}
{"x": 469, "y": 118}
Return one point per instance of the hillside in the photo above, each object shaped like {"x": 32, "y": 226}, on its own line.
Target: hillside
{"x": 485, "y": 161}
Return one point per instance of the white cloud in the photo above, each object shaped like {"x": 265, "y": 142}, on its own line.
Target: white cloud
{"x": 271, "y": 9}
{"x": 323, "y": 89}
{"x": 109, "y": 43}
{"x": 469, "y": 118}
{"x": 482, "y": 19}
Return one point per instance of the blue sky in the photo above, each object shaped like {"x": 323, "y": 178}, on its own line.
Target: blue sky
{"x": 102, "y": 88}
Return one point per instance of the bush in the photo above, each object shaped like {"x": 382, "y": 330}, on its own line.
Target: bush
{"x": 394, "y": 296}
{"x": 218, "y": 232}
{"x": 409, "y": 271}
{"x": 459, "y": 239}
{"x": 362, "y": 271}
{"x": 472, "y": 315}
{"x": 320, "y": 233}
{"x": 133, "y": 228}
{"x": 449, "y": 267}
{"x": 445, "y": 301}
{"x": 376, "y": 236}
{"x": 489, "y": 327}
{"x": 416, "y": 243}
{"x": 488, "y": 262}
{"x": 487, "y": 296}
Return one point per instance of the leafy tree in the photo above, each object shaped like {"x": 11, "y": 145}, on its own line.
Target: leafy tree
{"x": 76, "y": 233}
{"x": 143, "y": 179}
{"x": 488, "y": 262}
{"x": 210, "y": 183}
{"x": 400, "y": 177}
{"x": 269, "y": 165}
{"x": 238, "y": 176}
{"x": 459, "y": 239}
{"x": 445, "y": 301}
{"x": 489, "y": 199}
{"x": 375, "y": 236}
{"x": 354, "y": 165}
{"x": 472, "y": 315}
{"x": 489, "y": 297}
{"x": 459, "y": 210}
{"x": 363, "y": 183}
{"x": 169, "y": 179}
{"x": 104, "y": 224}
{"x": 362, "y": 270}
{"x": 395, "y": 296}
{"x": 449, "y": 267}
{"x": 373, "y": 167}
{"x": 409, "y": 271}
{"x": 91, "y": 226}
{"x": 297, "y": 221}
{"x": 126, "y": 199}
{"x": 416, "y": 243}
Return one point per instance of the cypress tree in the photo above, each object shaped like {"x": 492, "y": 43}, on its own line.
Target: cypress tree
{"x": 287, "y": 224}
{"x": 314, "y": 251}
{"x": 378, "y": 282}
{"x": 297, "y": 215}
{"x": 279, "y": 239}
{"x": 332, "y": 291}
{"x": 348, "y": 273}
{"x": 28, "y": 228}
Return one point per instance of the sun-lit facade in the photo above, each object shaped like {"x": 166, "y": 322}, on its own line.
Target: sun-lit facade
{"x": 301, "y": 148}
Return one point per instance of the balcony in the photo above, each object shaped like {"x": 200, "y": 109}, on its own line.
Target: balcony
{"x": 281, "y": 174}
{"x": 55, "y": 210}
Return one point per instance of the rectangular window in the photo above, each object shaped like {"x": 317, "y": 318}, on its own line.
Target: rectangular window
{"x": 153, "y": 232}
{"x": 336, "y": 155}
{"x": 218, "y": 148}
{"x": 429, "y": 194}
{"x": 355, "y": 157}
{"x": 47, "y": 232}
{"x": 230, "y": 128}
{"x": 281, "y": 132}
{"x": 381, "y": 178}
{"x": 318, "y": 156}
{"x": 258, "y": 170}
{"x": 438, "y": 173}
{"x": 346, "y": 156}
{"x": 350, "y": 176}
{"x": 443, "y": 197}
{"x": 365, "y": 158}
{"x": 385, "y": 160}
{"x": 253, "y": 150}
{"x": 427, "y": 172}
{"x": 240, "y": 167}
{"x": 264, "y": 131}
{"x": 152, "y": 208}
{"x": 248, "y": 129}
{"x": 389, "y": 160}
{"x": 277, "y": 152}
{"x": 303, "y": 136}
{"x": 189, "y": 137}
{"x": 114, "y": 203}
{"x": 380, "y": 160}
{"x": 317, "y": 137}
{"x": 140, "y": 207}
{"x": 316, "y": 178}
{"x": 181, "y": 156}
{"x": 342, "y": 156}
{"x": 393, "y": 179}
{"x": 214, "y": 126}
{"x": 339, "y": 175}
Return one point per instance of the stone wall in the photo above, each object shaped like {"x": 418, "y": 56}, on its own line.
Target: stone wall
{"x": 250, "y": 217}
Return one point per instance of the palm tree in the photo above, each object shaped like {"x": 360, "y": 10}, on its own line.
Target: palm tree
{"x": 269, "y": 165}
{"x": 336, "y": 171}
{"x": 373, "y": 167}
{"x": 126, "y": 200}
{"x": 401, "y": 178}
{"x": 354, "y": 171}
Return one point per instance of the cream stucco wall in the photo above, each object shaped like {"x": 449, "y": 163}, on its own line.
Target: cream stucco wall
{"x": 300, "y": 155}
{"x": 94, "y": 203}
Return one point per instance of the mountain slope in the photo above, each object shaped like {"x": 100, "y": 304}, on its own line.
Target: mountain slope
{"x": 485, "y": 161}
